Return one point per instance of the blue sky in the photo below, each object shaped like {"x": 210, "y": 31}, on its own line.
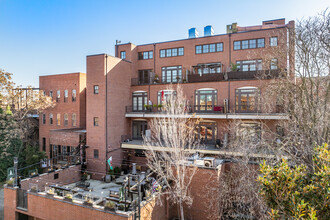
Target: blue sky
{"x": 40, "y": 37}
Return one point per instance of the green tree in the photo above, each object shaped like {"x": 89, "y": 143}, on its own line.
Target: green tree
{"x": 296, "y": 192}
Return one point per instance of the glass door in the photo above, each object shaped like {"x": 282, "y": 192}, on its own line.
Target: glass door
{"x": 138, "y": 129}
{"x": 205, "y": 100}
{"x": 247, "y": 100}
{"x": 207, "y": 132}
{"x": 139, "y": 99}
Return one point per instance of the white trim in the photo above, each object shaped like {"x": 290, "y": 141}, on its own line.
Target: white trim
{"x": 139, "y": 91}
{"x": 248, "y": 87}
{"x": 204, "y": 89}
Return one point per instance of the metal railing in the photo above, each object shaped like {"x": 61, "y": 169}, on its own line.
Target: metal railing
{"x": 22, "y": 199}
{"x": 189, "y": 109}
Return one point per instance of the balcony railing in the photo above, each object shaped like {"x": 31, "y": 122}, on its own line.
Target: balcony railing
{"x": 189, "y": 109}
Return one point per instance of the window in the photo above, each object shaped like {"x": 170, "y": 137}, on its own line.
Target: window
{"x": 74, "y": 119}
{"x": 50, "y": 118}
{"x": 66, "y": 95}
{"x": 138, "y": 129}
{"x": 205, "y": 99}
{"x": 249, "y": 44}
{"x": 171, "y": 74}
{"x": 162, "y": 53}
{"x": 51, "y": 94}
{"x": 145, "y": 55}
{"x": 198, "y": 49}
{"x": 96, "y": 89}
{"x": 96, "y": 121}
{"x": 74, "y": 95}
{"x": 123, "y": 55}
{"x": 44, "y": 93}
{"x": 237, "y": 45}
{"x": 96, "y": 153}
{"x": 247, "y": 99}
{"x": 207, "y": 132}
{"x": 261, "y": 42}
{"x": 58, "y": 96}
{"x": 209, "y": 48}
{"x": 44, "y": 144}
{"x": 249, "y": 65}
{"x": 139, "y": 99}
{"x": 43, "y": 119}
{"x": 173, "y": 52}
{"x": 273, "y": 64}
{"x": 206, "y": 68}
{"x": 249, "y": 131}
{"x": 66, "y": 119}
{"x": 144, "y": 77}
{"x": 58, "y": 119}
{"x": 273, "y": 41}
{"x": 164, "y": 96}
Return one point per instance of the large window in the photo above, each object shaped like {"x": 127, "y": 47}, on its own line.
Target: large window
{"x": 249, "y": 65}
{"x": 247, "y": 99}
{"x": 207, "y": 68}
{"x": 51, "y": 94}
{"x": 209, "y": 48}
{"x": 144, "y": 77}
{"x": 171, "y": 52}
{"x": 249, "y": 44}
{"x": 74, "y": 95}
{"x": 205, "y": 100}
{"x": 164, "y": 96}
{"x": 207, "y": 132}
{"x": 139, "y": 99}
{"x": 74, "y": 119}
{"x": 145, "y": 55}
{"x": 66, "y": 95}
{"x": 138, "y": 129}
{"x": 171, "y": 74}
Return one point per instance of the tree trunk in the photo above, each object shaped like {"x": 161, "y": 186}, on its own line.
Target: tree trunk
{"x": 181, "y": 211}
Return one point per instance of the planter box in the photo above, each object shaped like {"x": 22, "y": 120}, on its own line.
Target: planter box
{"x": 88, "y": 204}
{"x": 50, "y": 194}
{"x": 67, "y": 199}
{"x": 108, "y": 209}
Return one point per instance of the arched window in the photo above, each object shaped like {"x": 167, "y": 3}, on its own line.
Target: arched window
{"x": 205, "y": 99}
{"x": 247, "y": 99}
{"x": 139, "y": 99}
{"x": 74, "y": 95}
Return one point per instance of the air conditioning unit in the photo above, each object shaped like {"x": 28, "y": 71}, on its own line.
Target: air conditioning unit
{"x": 209, "y": 161}
{"x": 199, "y": 162}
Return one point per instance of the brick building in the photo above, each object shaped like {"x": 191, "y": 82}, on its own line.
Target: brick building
{"x": 222, "y": 76}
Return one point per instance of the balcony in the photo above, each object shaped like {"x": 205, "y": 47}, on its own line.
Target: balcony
{"x": 210, "y": 112}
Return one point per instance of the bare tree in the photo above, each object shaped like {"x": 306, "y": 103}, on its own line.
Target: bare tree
{"x": 170, "y": 145}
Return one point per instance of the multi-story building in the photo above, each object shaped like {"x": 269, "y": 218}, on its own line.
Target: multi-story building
{"x": 222, "y": 76}
{"x": 63, "y": 127}
{"x": 219, "y": 76}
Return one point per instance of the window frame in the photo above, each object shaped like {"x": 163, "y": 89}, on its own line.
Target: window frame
{"x": 51, "y": 119}
{"x": 96, "y": 121}
{"x": 58, "y": 119}
{"x": 66, "y": 95}
{"x": 58, "y": 95}
{"x": 238, "y": 44}
{"x": 96, "y": 153}
{"x": 123, "y": 55}
{"x": 74, "y": 95}
{"x": 96, "y": 89}
{"x": 74, "y": 119}
{"x": 66, "y": 119}
{"x": 217, "y": 48}
{"x": 271, "y": 42}
{"x": 43, "y": 118}
{"x": 168, "y": 52}
{"x": 166, "y": 69}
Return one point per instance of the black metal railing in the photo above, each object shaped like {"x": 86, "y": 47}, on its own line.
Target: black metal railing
{"x": 189, "y": 109}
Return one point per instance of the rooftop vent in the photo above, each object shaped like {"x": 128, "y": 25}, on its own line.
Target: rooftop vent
{"x": 193, "y": 33}
{"x": 208, "y": 31}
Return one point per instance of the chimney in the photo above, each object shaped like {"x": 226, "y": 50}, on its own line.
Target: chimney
{"x": 208, "y": 31}
{"x": 192, "y": 33}
{"x": 232, "y": 28}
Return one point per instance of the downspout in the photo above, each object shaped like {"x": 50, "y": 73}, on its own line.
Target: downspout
{"x": 106, "y": 112}
{"x": 227, "y": 76}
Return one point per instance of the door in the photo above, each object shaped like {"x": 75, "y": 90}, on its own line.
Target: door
{"x": 138, "y": 129}
{"x": 207, "y": 132}
{"x": 247, "y": 100}
{"x": 139, "y": 101}
{"x": 205, "y": 100}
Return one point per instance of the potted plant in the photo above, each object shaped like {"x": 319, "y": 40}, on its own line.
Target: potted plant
{"x": 50, "y": 170}
{"x": 234, "y": 67}
{"x": 51, "y": 192}
{"x": 34, "y": 189}
{"x": 89, "y": 202}
{"x": 68, "y": 197}
{"x": 10, "y": 182}
{"x": 156, "y": 79}
{"x": 112, "y": 174}
{"x": 110, "y": 206}
{"x": 184, "y": 80}
{"x": 121, "y": 207}
{"x": 178, "y": 78}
